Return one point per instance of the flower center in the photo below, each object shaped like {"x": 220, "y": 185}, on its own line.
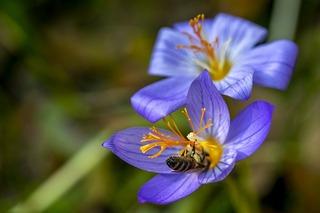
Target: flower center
{"x": 202, "y": 150}
{"x": 214, "y": 149}
{"x": 217, "y": 65}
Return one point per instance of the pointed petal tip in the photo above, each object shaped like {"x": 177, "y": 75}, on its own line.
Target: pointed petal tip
{"x": 205, "y": 75}
{"x": 126, "y": 145}
{"x": 107, "y": 144}
{"x": 204, "y": 94}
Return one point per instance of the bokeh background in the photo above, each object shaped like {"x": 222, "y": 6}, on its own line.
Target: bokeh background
{"x": 67, "y": 71}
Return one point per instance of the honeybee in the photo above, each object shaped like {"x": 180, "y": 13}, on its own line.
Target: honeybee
{"x": 190, "y": 159}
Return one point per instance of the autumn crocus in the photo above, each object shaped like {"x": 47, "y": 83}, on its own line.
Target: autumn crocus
{"x": 227, "y": 47}
{"x": 206, "y": 154}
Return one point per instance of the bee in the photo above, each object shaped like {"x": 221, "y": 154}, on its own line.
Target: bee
{"x": 189, "y": 159}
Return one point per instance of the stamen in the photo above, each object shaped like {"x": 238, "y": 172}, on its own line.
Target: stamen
{"x": 175, "y": 126}
{"x": 186, "y": 114}
{"x": 159, "y": 139}
{"x": 201, "y": 126}
{"x": 203, "y": 110}
{"x": 206, "y": 125}
{"x": 204, "y": 47}
{"x": 156, "y": 138}
{"x": 171, "y": 124}
{"x": 150, "y": 146}
{"x": 215, "y": 63}
{"x": 155, "y": 134}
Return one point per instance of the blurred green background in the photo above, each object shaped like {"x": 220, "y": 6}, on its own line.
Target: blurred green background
{"x": 67, "y": 71}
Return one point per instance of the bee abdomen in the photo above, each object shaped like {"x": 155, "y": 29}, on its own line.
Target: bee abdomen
{"x": 181, "y": 164}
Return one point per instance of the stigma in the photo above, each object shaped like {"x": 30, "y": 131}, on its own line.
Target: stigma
{"x": 207, "y": 147}
{"x": 217, "y": 65}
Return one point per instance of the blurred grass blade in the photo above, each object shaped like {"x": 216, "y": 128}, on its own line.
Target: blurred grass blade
{"x": 239, "y": 201}
{"x": 66, "y": 177}
{"x": 284, "y": 19}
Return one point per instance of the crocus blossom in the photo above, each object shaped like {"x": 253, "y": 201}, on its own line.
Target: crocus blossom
{"x": 226, "y": 47}
{"x": 206, "y": 155}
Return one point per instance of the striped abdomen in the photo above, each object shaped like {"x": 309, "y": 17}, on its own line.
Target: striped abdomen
{"x": 183, "y": 164}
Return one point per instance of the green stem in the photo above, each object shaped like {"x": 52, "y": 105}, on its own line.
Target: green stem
{"x": 239, "y": 201}
{"x": 284, "y": 19}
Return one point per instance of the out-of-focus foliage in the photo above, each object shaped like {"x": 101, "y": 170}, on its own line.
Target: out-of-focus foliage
{"x": 68, "y": 68}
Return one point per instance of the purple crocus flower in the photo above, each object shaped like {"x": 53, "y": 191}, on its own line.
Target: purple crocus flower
{"x": 206, "y": 155}
{"x": 226, "y": 46}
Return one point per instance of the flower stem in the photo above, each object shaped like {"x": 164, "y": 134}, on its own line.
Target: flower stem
{"x": 284, "y": 19}
{"x": 241, "y": 202}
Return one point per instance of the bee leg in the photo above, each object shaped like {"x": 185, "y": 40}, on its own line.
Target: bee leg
{"x": 183, "y": 152}
{"x": 193, "y": 149}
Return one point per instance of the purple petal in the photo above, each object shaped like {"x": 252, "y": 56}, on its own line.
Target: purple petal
{"x": 203, "y": 94}
{"x": 250, "y": 128}
{"x": 242, "y": 34}
{"x": 222, "y": 169}
{"x": 159, "y": 99}
{"x": 237, "y": 84}
{"x": 273, "y": 63}
{"x": 126, "y": 145}
{"x": 168, "y": 60}
{"x": 165, "y": 189}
